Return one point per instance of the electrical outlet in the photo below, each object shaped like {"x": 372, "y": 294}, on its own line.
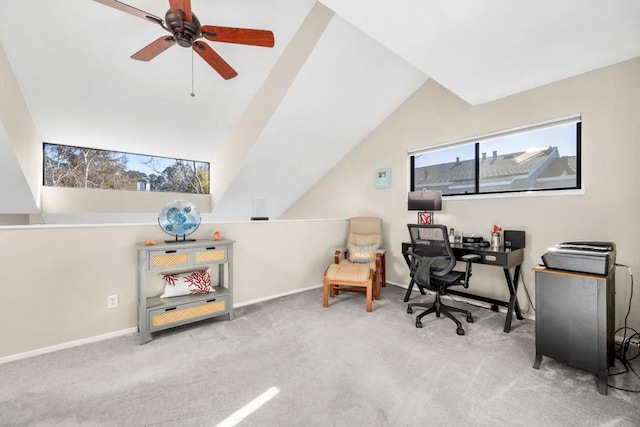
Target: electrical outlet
{"x": 112, "y": 301}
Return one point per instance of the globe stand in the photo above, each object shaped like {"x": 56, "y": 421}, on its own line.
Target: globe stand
{"x": 183, "y": 240}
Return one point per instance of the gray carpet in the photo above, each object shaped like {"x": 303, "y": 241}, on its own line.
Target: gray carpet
{"x": 336, "y": 366}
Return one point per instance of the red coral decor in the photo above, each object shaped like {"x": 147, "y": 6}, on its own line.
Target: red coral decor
{"x": 199, "y": 282}
{"x": 171, "y": 279}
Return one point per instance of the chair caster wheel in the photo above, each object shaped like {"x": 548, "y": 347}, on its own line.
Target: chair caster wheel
{"x": 460, "y": 331}
{"x": 418, "y": 324}
{"x": 409, "y": 310}
{"x": 469, "y": 319}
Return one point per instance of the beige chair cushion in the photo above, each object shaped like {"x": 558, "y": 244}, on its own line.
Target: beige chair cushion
{"x": 357, "y": 239}
{"x": 371, "y": 265}
{"x": 355, "y": 273}
{"x": 365, "y": 231}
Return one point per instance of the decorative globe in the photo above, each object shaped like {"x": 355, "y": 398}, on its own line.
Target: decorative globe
{"x": 179, "y": 218}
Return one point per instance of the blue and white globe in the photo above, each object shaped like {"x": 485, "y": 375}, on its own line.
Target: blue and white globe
{"x": 179, "y": 218}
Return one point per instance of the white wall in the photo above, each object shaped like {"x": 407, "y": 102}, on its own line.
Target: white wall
{"x": 609, "y": 102}
{"x": 55, "y": 280}
{"x": 25, "y": 143}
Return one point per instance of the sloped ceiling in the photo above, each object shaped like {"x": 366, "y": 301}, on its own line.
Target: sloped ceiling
{"x": 13, "y": 185}
{"x": 348, "y": 85}
{"x": 71, "y": 61}
{"x": 483, "y": 50}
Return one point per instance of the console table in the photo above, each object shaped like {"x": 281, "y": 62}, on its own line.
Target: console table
{"x": 155, "y": 313}
{"x": 575, "y": 320}
{"x": 498, "y": 257}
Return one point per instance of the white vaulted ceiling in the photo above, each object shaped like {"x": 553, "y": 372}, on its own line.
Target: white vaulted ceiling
{"x": 339, "y": 96}
{"x": 71, "y": 61}
{"x": 482, "y": 50}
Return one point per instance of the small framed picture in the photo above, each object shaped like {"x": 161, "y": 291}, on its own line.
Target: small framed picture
{"x": 425, "y": 218}
{"x": 382, "y": 178}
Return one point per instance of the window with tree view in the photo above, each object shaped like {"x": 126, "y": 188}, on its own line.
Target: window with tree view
{"x": 539, "y": 158}
{"x": 78, "y": 167}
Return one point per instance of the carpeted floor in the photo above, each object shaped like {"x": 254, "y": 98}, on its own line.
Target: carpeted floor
{"x": 336, "y": 366}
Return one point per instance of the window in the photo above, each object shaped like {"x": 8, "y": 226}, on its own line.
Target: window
{"x": 78, "y": 167}
{"x": 539, "y": 158}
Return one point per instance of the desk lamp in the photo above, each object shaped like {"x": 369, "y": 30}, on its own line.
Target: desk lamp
{"x": 426, "y": 202}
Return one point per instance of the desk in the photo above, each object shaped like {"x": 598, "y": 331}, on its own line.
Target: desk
{"x": 497, "y": 257}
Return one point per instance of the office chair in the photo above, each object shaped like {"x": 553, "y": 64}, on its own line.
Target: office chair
{"x": 432, "y": 267}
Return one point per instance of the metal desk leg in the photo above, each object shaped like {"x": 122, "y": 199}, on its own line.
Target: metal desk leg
{"x": 516, "y": 281}
{"x": 513, "y": 297}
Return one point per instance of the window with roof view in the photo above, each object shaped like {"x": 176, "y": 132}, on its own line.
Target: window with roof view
{"x": 78, "y": 167}
{"x": 535, "y": 159}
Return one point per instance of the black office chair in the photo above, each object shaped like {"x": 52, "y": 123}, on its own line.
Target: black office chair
{"x": 432, "y": 267}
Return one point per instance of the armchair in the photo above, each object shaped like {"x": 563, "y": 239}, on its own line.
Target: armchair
{"x": 364, "y": 246}
{"x": 432, "y": 267}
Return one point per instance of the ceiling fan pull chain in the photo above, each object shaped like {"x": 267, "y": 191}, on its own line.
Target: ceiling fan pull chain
{"x": 192, "y": 94}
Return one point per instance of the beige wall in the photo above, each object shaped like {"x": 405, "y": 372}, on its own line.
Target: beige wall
{"x": 58, "y": 200}
{"x": 55, "y": 280}
{"x": 7, "y": 219}
{"x": 609, "y": 102}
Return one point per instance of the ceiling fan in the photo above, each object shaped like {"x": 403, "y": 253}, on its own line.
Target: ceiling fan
{"x": 185, "y": 28}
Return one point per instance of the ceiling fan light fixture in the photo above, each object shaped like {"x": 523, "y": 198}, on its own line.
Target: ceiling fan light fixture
{"x": 184, "y": 32}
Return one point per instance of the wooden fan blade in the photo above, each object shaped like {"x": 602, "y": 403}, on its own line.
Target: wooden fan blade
{"x": 183, "y": 5}
{"x": 215, "y": 60}
{"x": 154, "y": 49}
{"x": 130, "y": 9}
{"x": 238, "y": 35}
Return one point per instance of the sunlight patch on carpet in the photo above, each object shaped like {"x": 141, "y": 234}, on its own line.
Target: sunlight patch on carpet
{"x": 249, "y": 408}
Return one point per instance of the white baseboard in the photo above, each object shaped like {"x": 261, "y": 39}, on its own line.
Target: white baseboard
{"x": 128, "y": 331}
{"x": 63, "y": 346}
{"x": 115, "y": 334}
{"x": 270, "y": 297}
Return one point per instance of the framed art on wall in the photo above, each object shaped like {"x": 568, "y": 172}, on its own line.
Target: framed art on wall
{"x": 382, "y": 178}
